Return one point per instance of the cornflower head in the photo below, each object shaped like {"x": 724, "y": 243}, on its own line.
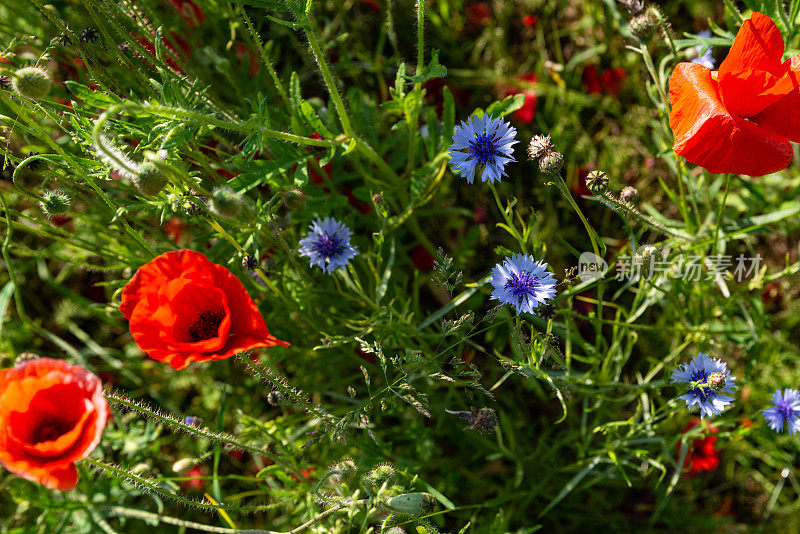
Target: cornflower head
{"x": 328, "y": 244}
{"x": 523, "y": 282}
{"x": 483, "y": 145}
{"x": 709, "y": 382}
{"x": 786, "y": 411}
{"x": 706, "y": 59}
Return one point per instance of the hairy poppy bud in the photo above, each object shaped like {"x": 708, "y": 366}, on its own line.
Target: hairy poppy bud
{"x": 32, "y": 82}
{"x": 344, "y": 470}
{"x": 294, "y": 199}
{"x": 716, "y": 381}
{"x": 551, "y": 163}
{"x": 597, "y": 182}
{"x": 226, "y": 202}
{"x": 150, "y": 180}
{"x": 540, "y": 146}
{"x": 381, "y": 475}
{"x": 412, "y": 503}
{"x": 629, "y": 194}
{"x": 55, "y": 202}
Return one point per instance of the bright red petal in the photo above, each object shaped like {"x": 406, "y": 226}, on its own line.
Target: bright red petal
{"x": 758, "y": 45}
{"x": 783, "y": 117}
{"x": 707, "y": 134}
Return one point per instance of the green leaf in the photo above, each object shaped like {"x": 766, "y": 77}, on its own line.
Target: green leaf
{"x": 294, "y": 90}
{"x": 434, "y": 69}
{"x": 93, "y": 98}
{"x": 506, "y": 106}
{"x": 271, "y": 5}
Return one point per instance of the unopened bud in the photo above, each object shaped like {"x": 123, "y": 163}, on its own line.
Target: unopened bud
{"x": 629, "y": 194}
{"x": 294, "y": 199}
{"x": 32, "y": 82}
{"x": 226, "y": 202}
{"x": 641, "y": 26}
{"x": 551, "y": 163}
{"x": 597, "y": 182}
{"x": 383, "y": 474}
{"x": 183, "y": 465}
{"x": 55, "y": 202}
{"x": 150, "y": 180}
{"x": 377, "y": 198}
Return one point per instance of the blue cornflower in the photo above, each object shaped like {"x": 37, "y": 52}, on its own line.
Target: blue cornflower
{"x": 328, "y": 244}
{"x": 786, "y": 411}
{"x": 482, "y": 144}
{"x": 709, "y": 380}
{"x": 707, "y": 59}
{"x": 523, "y": 282}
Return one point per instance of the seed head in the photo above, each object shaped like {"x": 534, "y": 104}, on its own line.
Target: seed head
{"x": 55, "y": 202}
{"x": 249, "y": 263}
{"x": 32, "y": 82}
{"x": 597, "y": 182}
{"x": 629, "y": 194}
{"x": 150, "y": 179}
{"x": 90, "y": 35}
{"x": 540, "y": 146}
{"x": 551, "y": 163}
{"x": 377, "y": 198}
{"x": 63, "y": 39}
{"x": 482, "y": 421}
{"x": 275, "y": 398}
{"x": 5, "y": 82}
{"x": 634, "y": 7}
{"x": 226, "y": 202}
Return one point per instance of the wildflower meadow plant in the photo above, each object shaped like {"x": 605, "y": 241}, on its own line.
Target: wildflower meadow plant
{"x": 249, "y": 282}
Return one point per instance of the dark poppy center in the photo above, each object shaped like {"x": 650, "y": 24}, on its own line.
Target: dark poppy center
{"x": 328, "y": 246}
{"x": 49, "y": 430}
{"x": 206, "y": 326}
{"x": 522, "y": 284}
{"x": 483, "y": 149}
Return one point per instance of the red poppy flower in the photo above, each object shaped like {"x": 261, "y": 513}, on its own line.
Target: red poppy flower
{"x": 530, "y": 21}
{"x": 742, "y": 118}
{"x": 421, "y": 258}
{"x": 190, "y": 12}
{"x": 478, "y": 13}
{"x": 195, "y": 480}
{"x": 52, "y": 413}
{"x": 701, "y": 455}
{"x": 525, "y": 113}
{"x": 182, "y": 308}
{"x": 612, "y": 80}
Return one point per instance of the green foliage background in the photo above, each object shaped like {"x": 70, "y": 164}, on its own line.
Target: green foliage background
{"x": 589, "y": 434}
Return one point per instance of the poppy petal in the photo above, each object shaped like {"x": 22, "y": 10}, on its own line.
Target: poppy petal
{"x": 782, "y": 117}
{"x": 707, "y": 134}
{"x": 746, "y": 92}
{"x": 758, "y": 45}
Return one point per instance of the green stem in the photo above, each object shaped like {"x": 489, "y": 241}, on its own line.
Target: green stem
{"x": 562, "y": 185}
{"x": 509, "y": 221}
{"x": 721, "y": 209}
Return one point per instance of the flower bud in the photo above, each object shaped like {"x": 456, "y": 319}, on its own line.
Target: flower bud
{"x": 416, "y": 504}
{"x": 226, "y": 202}
{"x": 641, "y": 26}
{"x": 294, "y": 199}
{"x": 597, "y": 182}
{"x": 551, "y": 163}
{"x": 5, "y": 82}
{"x": 55, "y": 202}
{"x": 25, "y": 357}
{"x": 381, "y": 475}
{"x": 32, "y": 82}
{"x": 629, "y": 194}
{"x": 377, "y": 198}
{"x": 539, "y": 146}
{"x": 150, "y": 180}
{"x": 716, "y": 381}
